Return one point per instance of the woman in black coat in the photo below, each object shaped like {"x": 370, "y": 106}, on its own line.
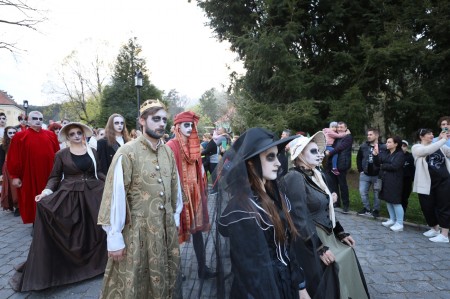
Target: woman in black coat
{"x": 391, "y": 171}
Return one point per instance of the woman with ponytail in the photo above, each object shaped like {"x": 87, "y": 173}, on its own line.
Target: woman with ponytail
{"x": 68, "y": 246}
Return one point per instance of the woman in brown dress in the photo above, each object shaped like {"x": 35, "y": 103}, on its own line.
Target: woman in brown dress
{"x": 67, "y": 245}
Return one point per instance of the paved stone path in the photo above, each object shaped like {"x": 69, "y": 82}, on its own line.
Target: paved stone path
{"x": 399, "y": 265}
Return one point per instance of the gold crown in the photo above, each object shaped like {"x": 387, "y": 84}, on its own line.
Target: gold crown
{"x": 150, "y": 104}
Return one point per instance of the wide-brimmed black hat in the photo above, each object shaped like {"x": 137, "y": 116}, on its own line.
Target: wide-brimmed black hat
{"x": 256, "y": 140}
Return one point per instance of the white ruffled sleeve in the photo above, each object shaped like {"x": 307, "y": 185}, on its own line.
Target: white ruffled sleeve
{"x": 118, "y": 211}
{"x": 179, "y": 207}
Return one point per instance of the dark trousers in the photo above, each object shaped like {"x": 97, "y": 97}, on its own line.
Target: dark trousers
{"x": 341, "y": 188}
{"x": 212, "y": 166}
{"x": 436, "y": 206}
{"x": 406, "y": 191}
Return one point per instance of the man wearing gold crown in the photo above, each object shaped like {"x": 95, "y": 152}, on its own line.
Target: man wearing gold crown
{"x": 138, "y": 212}
{"x": 194, "y": 216}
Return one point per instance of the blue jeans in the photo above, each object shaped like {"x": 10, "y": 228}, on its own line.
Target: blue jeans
{"x": 365, "y": 181}
{"x": 334, "y": 158}
{"x": 395, "y": 212}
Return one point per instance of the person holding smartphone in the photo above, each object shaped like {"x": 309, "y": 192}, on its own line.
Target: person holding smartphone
{"x": 432, "y": 182}
{"x": 444, "y": 124}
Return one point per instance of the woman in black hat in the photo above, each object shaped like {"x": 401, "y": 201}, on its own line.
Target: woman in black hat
{"x": 256, "y": 221}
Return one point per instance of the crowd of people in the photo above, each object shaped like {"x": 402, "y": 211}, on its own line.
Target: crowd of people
{"x": 108, "y": 201}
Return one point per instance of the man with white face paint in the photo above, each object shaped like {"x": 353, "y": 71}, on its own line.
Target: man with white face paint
{"x": 194, "y": 217}
{"x": 30, "y": 161}
{"x": 142, "y": 194}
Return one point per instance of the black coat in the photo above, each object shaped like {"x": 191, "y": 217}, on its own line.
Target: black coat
{"x": 343, "y": 147}
{"x": 391, "y": 174}
{"x": 105, "y": 154}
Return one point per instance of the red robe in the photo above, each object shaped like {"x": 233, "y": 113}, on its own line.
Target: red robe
{"x": 30, "y": 158}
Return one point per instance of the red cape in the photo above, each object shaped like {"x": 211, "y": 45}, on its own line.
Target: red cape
{"x": 30, "y": 158}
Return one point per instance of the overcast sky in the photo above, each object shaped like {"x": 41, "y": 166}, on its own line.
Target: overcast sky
{"x": 180, "y": 51}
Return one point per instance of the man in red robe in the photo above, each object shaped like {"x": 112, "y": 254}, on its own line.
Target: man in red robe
{"x": 30, "y": 161}
{"x": 194, "y": 217}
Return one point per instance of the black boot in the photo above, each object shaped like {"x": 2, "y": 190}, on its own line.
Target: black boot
{"x": 206, "y": 273}
{"x": 16, "y": 212}
{"x": 199, "y": 248}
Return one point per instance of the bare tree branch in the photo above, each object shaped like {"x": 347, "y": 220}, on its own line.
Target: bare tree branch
{"x": 31, "y": 17}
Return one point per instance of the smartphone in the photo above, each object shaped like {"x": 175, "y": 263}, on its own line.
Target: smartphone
{"x": 445, "y": 129}
{"x": 224, "y": 144}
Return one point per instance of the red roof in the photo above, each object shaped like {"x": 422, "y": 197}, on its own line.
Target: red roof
{"x": 5, "y": 99}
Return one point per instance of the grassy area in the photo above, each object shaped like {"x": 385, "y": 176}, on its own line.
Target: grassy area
{"x": 413, "y": 213}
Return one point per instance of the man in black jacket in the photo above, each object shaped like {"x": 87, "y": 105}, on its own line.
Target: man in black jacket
{"x": 343, "y": 147}
{"x": 368, "y": 173}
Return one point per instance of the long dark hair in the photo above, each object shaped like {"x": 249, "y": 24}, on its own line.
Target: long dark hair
{"x": 6, "y": 140}
{"x": 263, "y": 190}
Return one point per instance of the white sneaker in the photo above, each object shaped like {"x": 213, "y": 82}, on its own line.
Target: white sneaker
{"x": 431, "y": 233}
{"x": 439, "y": 239}
{"x": 397, "y": 227}
{"x": 388, "y": 223}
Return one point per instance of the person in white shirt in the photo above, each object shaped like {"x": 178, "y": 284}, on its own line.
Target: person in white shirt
{"x": 432, "y": 182}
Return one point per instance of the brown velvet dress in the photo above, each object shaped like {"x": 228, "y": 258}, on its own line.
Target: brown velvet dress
{"x": 68, "y": 246}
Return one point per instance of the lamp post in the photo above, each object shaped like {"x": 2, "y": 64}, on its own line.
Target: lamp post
{"x": 138, "y": 82}
{"x": 25, "y": 105}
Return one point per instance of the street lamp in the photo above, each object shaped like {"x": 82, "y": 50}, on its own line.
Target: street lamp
{"x": 138, "y": 82}
{"x": 25, "y": 105}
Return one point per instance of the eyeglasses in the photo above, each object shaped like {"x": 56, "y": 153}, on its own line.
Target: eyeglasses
{"x": 157, "y": 119}
{"x": 79, "y": 133}
{"x": 118, "y": 123}
{"x": 37, "y": 118}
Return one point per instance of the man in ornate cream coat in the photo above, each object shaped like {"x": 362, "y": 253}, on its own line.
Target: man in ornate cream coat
{"x": 139, "y": 214}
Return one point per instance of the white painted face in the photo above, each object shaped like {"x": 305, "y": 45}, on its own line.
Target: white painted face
{"x": 75, "y": 135}
{"x": 2, "y": 121}
{"x": 100, "y": 134}
{"x": 154, "y": 125}
{"x": 11, "y": 133}
{"x": 311, "y": 154}
{"x": 269, "y": 163}
{"x": 35, "y": 120}
{"x": 186, "y": 128}
{"x": 118, "y": 124}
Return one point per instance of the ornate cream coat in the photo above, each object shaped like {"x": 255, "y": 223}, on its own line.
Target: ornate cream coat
{"x": 150, "y": 234}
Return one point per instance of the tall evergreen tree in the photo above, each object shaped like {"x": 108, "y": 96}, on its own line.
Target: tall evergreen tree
{"x": 120, "y": 97}
{"x": 339, "y": 59}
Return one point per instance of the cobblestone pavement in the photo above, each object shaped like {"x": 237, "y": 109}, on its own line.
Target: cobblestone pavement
{"x": 400, "y": 265}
